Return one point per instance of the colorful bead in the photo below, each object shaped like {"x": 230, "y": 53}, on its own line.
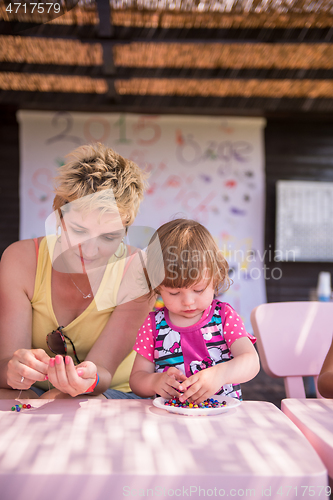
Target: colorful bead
{"x": 208, "y": 403}
{"x": 20, "y": 407}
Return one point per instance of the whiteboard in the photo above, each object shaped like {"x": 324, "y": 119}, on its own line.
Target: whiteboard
{"x": 210, "y": 169}
{"x": 304, "y": 221}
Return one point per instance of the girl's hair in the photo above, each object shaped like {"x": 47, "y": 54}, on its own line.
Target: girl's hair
{"x": 189, "y": 254}
{"x": 93, "y": 169}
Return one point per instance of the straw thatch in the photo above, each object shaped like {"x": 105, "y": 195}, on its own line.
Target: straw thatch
{"x": 52, "y": 83}
{"x": 170, "y": 55}
{"x": 191, "y": 13}
{"x": 223, "y": 88}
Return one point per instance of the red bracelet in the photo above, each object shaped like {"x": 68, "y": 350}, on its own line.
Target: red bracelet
{"x": 91, "y": 388}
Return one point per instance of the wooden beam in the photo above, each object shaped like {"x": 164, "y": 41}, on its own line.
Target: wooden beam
{"x": 164, "y": 104}
{"x": 126, "y": 73}
{"x": 105, "y": 30}
{"x": 127, "y": 33}
{"x": 108, "y": 66}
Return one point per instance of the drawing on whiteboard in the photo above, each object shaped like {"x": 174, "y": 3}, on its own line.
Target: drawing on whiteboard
{"x": 96, "y": 129}
{"x": 205, "y": 177}
{"x": 64, "y": 120}
{"x": 41, "y": 181}
{"x": 148, "y": 130}
{"x": 188, "y": 152}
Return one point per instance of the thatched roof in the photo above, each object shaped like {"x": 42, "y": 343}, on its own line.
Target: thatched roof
{"x": 189, "y": 14}
{"x": 267, "y": 49}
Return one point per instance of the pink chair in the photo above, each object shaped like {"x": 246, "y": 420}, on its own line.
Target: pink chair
{"x": 293, "y": 340}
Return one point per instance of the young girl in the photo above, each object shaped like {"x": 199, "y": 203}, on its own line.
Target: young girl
{"x": 183, "y": 347}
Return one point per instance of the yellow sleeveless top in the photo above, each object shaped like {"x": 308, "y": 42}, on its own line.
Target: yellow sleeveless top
{"x": 86, "y": 328}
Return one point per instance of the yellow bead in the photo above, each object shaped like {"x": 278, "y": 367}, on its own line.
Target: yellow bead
{"x": 190, "y": 405}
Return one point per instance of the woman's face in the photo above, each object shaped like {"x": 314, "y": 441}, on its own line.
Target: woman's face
{"x": 88, "y": 240}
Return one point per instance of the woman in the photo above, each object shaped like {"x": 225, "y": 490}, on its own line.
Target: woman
{"x": 64, "y": 292}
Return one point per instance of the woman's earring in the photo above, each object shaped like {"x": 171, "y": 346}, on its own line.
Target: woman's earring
{"x": 58, "y": 234}
{"x": 122, "y": 255}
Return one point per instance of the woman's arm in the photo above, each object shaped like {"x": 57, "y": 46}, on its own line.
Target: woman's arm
{"x": 112, "y": 346}
{"x": 243, "y": 367}
{"x": 145, "y": 383}
{"x": 17, "y": 278}
{"x": 325, "y": 379}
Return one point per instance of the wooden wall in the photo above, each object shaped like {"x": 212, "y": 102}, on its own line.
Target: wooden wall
{"x": 9, "y": 177}
{"x": 296, "y": 149}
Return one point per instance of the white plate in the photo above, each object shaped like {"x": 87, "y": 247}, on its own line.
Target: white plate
{"x": 231, "y": 403}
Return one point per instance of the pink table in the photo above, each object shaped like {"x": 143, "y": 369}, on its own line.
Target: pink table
{"x": 314, "y": 417}
{"x": 113, "y": 449}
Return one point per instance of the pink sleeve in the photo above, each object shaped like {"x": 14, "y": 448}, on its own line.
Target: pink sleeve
{"x": 234, "y": 327}
{"x": 144, "y": 344}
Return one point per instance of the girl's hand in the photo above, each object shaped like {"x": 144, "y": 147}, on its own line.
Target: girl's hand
{"x": 71, "y": 379}
{"x": 200, "y": 386}
{"x": 166, "y": 384}
{"x": 31, "y": 364}
{"x": 243, "y": 367}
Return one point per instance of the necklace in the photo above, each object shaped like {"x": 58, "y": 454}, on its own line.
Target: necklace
{"x": 83, "y": 295}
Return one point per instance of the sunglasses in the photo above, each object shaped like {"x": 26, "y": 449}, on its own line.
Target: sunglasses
{"x": 56, "y": 342}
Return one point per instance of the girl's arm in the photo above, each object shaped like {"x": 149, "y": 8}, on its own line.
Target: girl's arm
{"x": 145, "y": 383}
{"x": 17, "y": 278}
{"x": 325, "y": 379}
{"x": 205, "y": 383}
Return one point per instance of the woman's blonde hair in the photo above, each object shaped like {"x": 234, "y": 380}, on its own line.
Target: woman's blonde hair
{"x": 190, "y": 254}
{"x": 95, "y": 168}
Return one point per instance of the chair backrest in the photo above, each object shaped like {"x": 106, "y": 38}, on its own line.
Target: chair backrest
{"x": 293, "y": 340}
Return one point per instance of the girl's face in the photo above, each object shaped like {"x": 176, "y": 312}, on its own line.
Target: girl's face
{"x": 186, "y": 305}
{"x": 89, "y": 240}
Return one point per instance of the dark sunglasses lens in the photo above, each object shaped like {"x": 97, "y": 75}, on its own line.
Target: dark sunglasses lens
{"x": 56, "y": 343}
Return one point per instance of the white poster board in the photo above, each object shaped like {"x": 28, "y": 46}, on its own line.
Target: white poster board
{"x": 206, "y": 168}
{"x": 304, "y": 221}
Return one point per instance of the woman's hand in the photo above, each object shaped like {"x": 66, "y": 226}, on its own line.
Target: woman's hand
{"x": 71, "y": 379}
{"x": 166, "y": 384}
{"x": 31, "y": 364}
